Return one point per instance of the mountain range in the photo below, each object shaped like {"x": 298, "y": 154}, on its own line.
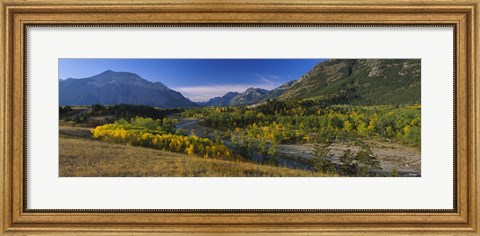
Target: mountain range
{"x": 112, "y": 87}
{"x": 250, "y": 96}
{"x": 336, "y": 81}
{"x": 348, "y": 81}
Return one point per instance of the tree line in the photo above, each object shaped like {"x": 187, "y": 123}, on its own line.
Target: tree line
{"x": 292, "y": 122}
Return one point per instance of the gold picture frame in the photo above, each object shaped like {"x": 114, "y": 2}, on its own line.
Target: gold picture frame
{"x": 15, "y": 219}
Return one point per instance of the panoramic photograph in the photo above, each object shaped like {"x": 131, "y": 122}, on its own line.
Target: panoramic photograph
{"x": 239, "y": 117}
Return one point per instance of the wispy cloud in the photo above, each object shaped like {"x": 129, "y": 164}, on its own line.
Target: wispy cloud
{"x": 267, "y": 78}
{"x": 205, "y": 92}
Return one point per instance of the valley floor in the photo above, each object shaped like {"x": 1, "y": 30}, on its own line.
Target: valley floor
{"x": 82, "y": 156}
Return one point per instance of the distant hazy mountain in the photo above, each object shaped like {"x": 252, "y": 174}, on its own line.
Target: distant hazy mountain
{"x": 250, "y": 96}
{"x": 112, "y": 87}
{"x": 362, "y": 81}
{"x": 221, "y": 101}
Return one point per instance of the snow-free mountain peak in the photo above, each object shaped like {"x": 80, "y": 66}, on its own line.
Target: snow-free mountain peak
{"x": 110, "y": 87}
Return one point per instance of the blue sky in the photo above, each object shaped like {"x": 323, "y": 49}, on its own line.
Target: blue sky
{"x": 197, "y": 79}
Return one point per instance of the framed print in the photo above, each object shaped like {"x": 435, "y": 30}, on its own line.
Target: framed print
{"x": 239, "y": 117}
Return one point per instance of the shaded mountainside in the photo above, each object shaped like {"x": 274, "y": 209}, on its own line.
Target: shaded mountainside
{"x": 221, "y": 101}
{"x": 250, "y": 96}
{"x": 360, "y": 82}
{"x": 111, "y": 87}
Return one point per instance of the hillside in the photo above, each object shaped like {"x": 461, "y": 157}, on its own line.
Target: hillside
{"x": 111, "y": 87}
{"x": 360, "y": 82}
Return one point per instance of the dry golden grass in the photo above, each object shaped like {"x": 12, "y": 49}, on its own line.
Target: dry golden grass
{"x": 92, "y": 158}
{"x": 80, "y": 132}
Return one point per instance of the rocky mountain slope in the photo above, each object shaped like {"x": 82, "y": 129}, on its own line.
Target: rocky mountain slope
{"x": 362, "y": 82}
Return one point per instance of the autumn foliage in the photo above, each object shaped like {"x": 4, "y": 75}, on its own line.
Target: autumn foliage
{"x": 147, "y": 132}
